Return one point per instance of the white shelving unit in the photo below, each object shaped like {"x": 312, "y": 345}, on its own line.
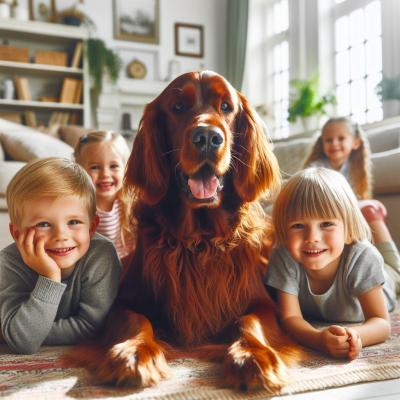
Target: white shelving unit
{"x": 37, "y": 35}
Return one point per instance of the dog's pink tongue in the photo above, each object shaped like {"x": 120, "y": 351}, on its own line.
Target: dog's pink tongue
{"x": 203, "y": 189}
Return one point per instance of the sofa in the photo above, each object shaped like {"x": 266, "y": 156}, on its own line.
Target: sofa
{"x": 20, "y": 144}
{"x": 385, "y": 156}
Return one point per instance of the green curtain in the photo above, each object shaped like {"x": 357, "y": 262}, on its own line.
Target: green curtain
{"x": 236, "y": 40}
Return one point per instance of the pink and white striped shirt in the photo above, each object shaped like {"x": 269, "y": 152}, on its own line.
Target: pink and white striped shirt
{"x": 110, "y": 227}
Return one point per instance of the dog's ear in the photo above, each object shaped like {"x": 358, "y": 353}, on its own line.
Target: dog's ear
{"x": 148, "y": 170}
{"x": 257, "y": 168}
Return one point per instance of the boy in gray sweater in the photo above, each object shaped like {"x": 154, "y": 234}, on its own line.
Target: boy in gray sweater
{"x": 59, "y": 279}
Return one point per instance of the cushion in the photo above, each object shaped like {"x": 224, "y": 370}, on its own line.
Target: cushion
{"x": 71, "y": 134}
{"x": 22, "y": 143}
{"x": 384, "y": 140}
{"x": 8, "y": 170}
{"x": 385, "y": 171}
{"x": 291, "y": 154}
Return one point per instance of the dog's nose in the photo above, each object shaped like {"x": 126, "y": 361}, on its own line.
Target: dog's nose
{"x": 207, "y": 139}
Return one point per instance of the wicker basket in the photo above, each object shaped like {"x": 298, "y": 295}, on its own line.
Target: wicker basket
{"x": 12, "y": 53}
{"x": 51, "y": 57}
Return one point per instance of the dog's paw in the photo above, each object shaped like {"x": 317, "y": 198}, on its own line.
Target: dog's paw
{"x": 133, "y": 363}
{"x": 248, "y": 366}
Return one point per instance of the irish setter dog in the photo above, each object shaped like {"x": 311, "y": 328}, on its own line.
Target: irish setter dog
{"x": 199, "y": 163}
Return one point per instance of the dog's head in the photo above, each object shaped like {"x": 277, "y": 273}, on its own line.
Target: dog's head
{"x": 199, "y": 131}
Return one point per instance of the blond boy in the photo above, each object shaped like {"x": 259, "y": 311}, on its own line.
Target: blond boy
{"x": 59, "y": 279}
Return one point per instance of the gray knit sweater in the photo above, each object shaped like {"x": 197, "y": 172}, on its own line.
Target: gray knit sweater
{"x": 35, "y": 310}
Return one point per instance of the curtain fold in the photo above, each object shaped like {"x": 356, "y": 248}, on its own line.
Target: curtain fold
{"x": 236, "y": 40}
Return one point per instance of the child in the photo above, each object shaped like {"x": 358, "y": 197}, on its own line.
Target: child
{"x": 325, "y": 268}
{"x": 104, "y": 155}
{"x": 343, "y": 147}
{"x": 59, "y": 279}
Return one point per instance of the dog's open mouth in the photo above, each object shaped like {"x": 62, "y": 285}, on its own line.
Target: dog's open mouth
{"x": 203, "y": 186}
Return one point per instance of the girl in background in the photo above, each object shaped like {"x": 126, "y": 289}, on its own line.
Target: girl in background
{"x": 104, "y": 154}
{"x": 325, "y": 268}
{"x": 343, "y": 146}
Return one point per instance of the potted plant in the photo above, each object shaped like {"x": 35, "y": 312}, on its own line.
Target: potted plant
{"x": 389, "y": 88}
{"x": 102, "y": 60}
{"x": 307, "y": 103}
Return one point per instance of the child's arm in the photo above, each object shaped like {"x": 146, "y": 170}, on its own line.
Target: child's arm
{"x": 332, "y": 340}
{"x": 28, "y": 304}
{"x": 99, "y": 286}
{"x": 376, "y": 328}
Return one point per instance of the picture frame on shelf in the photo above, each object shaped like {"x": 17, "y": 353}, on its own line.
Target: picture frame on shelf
{"x": 189, "y": 40}
{"x": 137, "y": 20}
{"x": 139, "y": 63}
{"x": 42, "y": 10}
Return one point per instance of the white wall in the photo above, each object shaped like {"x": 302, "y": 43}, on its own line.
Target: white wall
{"x": 209, "y": 13}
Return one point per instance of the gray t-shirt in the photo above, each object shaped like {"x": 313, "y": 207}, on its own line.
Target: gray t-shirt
{"x": 35, "y": 310}
{"x": 360, "y": 268}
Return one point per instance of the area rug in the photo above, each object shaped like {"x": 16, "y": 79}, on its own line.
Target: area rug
{"x": 41, "y": 376}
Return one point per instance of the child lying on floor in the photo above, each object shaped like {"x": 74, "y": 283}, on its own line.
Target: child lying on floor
{"x": 59, "y": 279}
{"x": 326, "y": 269}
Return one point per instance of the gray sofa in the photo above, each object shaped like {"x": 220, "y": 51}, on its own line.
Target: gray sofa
{"x": 385, "y": 155}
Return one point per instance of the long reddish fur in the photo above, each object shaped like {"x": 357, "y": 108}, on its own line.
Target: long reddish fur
{"x": 194, "y": 282}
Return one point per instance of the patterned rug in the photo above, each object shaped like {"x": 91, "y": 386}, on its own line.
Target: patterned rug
{"x": 41, "y": 376}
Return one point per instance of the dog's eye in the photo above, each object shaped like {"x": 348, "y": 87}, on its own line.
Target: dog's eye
{"x": 225, "y": 107}
{"x": 178, "y": 107}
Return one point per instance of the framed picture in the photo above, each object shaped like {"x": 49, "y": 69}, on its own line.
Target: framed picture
{"x": 189, "y": 40}
{"x": 139, "y": 64}
{"x": 42, "y": 10}
{"x": 136, "y": 20}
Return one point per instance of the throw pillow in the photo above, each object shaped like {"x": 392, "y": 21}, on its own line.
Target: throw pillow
{"x": 71, "y": 134}
{"x": 22, "y": 143}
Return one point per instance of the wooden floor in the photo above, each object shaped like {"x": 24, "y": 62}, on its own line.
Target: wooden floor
{"x": 383, "y": 390}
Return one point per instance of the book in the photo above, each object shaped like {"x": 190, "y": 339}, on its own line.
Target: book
{"x": 77, "y": 56}
{"x": 24, "y": 93}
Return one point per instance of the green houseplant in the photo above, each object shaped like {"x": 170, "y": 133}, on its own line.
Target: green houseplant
{"x": 389, "y": 88}
{"x": 101, "y": 60}
{"x": 305, "y": 100}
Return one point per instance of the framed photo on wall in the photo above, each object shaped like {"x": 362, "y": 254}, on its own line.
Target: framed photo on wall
{"x": 189, "y": 40}
{"x": 137, "y": 20}
{"x": 42, "y": 10}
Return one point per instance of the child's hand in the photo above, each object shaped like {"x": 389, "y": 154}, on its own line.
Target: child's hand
{"x": 354, "y": 342}
{"x": 35, "y": 257}
{"x": 335, "y": 341}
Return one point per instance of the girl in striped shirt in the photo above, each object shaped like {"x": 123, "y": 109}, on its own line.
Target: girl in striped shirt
{"x": 104, "y": 154}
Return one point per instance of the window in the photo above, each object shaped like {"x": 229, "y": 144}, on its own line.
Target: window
{"x": 358, "y": 60}
{"x": 267, "y": 69}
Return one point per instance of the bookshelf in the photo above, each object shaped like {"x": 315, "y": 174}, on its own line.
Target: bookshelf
{"x": 48, "y": 85}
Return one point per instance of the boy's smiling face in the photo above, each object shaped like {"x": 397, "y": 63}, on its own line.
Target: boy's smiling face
{"x": 65, "y": 225}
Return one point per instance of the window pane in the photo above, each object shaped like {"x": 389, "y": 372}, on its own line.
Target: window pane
{"x": 343, "y": 99}
{"x": 359, "y": 118}
{"x": 285, "y": 55}
{"x": 373, "y": 19}
{"x": 357, "y": 93}
{"x": 342, "y": 67}
{"x": 357, "y": 62}
{"x": 342, "y": 33}
{"x": 357, "y": 26}
{"x": 373, "y": 50}
{"x": 285, "y": 84}
{"x": 372, "y": 98}
{"x": 277, "y": 87}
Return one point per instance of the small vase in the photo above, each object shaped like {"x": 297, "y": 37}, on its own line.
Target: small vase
{"x": 310, "y": 124}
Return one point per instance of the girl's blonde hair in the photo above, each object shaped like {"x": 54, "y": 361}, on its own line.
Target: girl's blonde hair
{"x": 359, "y": 161}
{"x": 319, "y": 193}
{"x": 121, "y": 147}
{"x": 49, "y": 177}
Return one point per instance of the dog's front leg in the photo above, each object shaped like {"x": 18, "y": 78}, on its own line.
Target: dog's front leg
{"x": 128, "y": 354}
{"x": 251, "y": 361}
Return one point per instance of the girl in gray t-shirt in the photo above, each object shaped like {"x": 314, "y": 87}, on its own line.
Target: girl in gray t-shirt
{"x": 325, "y": 268}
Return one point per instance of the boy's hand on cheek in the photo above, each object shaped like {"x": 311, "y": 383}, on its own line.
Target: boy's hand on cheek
{"x": 335, "y": 341}
{"x": 35, "y": 257}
